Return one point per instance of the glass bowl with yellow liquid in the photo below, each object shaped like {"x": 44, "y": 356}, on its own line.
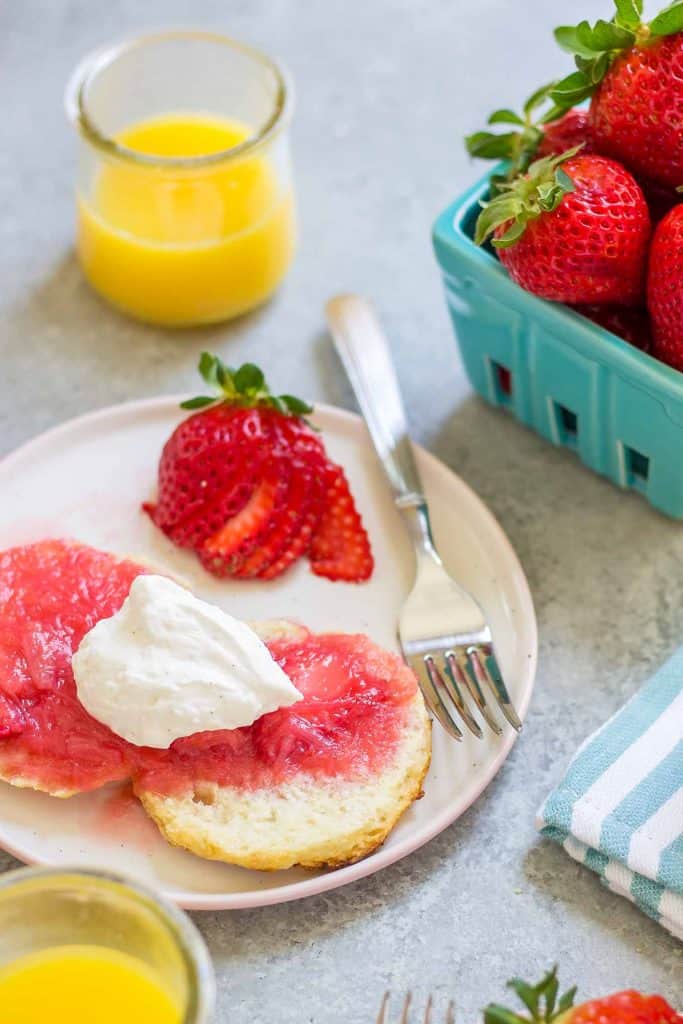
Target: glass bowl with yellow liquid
{"x": 184, "y": 192}
{"x": 79, "y": 947}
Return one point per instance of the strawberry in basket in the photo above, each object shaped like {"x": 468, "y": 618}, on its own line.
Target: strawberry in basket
{"x": 633, "y": 73}
{"x": 574, "y": 228}
{"x": 665, "y": 288}
{"x": 627, "y": 322}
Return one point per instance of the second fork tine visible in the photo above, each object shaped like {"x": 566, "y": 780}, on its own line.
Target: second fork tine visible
{"x": 406, "y": 1008}
{"x": 455, "y": 676}
{"x": 475, "y": 677}
{"x": 405, "y": 1012}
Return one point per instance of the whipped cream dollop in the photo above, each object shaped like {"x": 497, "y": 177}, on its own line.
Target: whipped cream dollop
{"x": 168, "y": 664}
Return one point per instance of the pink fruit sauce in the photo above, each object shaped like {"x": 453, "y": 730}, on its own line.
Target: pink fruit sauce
{"x": 355, "y": 696}
{"x": 354, "y": 704}
{"x": 51, "y": 594}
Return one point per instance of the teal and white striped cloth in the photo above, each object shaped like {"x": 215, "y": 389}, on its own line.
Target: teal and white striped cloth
{"x": 619, "y": 808}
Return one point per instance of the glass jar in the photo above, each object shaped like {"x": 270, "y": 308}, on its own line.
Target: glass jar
{"x": 44, "y": 909}
{"x": 184, "y": 189}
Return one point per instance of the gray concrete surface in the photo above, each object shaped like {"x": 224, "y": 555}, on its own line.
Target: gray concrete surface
{"x": 386, "y": 89}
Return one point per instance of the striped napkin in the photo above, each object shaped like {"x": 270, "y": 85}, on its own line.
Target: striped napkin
{"x": 619, "y": 808}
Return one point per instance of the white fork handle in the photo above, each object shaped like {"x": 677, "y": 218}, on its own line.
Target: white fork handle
{"x": 364, "y": 352}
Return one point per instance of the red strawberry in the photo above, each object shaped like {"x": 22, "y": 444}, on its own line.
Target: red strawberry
{"x": 632, "y": 325}
{"x": 659, "y": 198}
{"x": 281, "y": 556}
{"x": 634, "y": 73}
{"x": 208, "y": 518}
{"x": 544, "y": 1007}
{"x": 220, "y": 450}
{"x": 568, "y": 131}
{"x": 224, "y": 552}
{"x": 665, "y": 289}
{"x": 530, "y": 135}
{"x": 505, "y": 380}
{"x": 629, "y": 1007}
{"x": 289, "y": 532}
{"x": 244, "y": 482}
{"x": 637, "y": 111}
{"x": 573, "y": 229}
{"x": 340, "y": 548}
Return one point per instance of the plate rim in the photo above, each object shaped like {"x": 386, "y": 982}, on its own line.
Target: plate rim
{"x": 385, "y": 856}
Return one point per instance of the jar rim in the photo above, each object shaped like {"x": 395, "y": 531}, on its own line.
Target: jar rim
{"x": 100, "y": 59}
{"x": 182, "y": 930}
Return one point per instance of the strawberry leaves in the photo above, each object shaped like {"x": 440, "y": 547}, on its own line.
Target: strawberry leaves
{"x": 586, "y": 40}
{"x": 296, "y": 405}
{"x": 505, "y": 116}
{"x": 594, "y": 48}
{"x": 208, "y": 367}
{"x": 245, "y": 387}
{"x": 629, "y": 12}
{"x": 248, "y": 380}
{"x": 540, "y": 1000}
{"x": 668, "y": 21}
{"x": 519, "y": 146}
{"x": 524, "y": 199}
{"x": 199, "y": 402}
{"x": 504, "y": 146}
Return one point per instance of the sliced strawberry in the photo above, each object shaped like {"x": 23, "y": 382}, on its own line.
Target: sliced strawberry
{"x": 340, "y": 549}
{"x": 201, "y": 465}
{"x": 297, "y": 546}
{"x": 226, "y": 549}
{"x": 242, "y": 482}
{"x": 289, "y": 533}
{"x": 282, "y": 529}
{"x": 195, "y": 531}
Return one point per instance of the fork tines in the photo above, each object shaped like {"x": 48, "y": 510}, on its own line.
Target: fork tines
{"x": 449, "y": 676}
{"x": 405, "y": 1011}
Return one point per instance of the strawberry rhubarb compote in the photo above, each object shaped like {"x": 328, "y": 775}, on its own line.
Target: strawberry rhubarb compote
{"x": 355, "y": 696}
{"x": 355, "y": 702}
{"x": 51, "y": 594}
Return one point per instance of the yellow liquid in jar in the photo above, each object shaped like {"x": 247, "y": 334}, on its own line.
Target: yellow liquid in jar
{"x": 83, "y": 985}
{"x": 180, "y": 247}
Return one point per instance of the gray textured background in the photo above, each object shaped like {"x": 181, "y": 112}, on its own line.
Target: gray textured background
{"x": 385, "y": 90}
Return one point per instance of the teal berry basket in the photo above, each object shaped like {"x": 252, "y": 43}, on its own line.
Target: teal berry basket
{"x": 571, "y": 381}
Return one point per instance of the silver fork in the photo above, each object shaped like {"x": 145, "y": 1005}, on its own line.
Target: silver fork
{"x": 444, "y": 634}
{"x": 405, "y": 1012}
